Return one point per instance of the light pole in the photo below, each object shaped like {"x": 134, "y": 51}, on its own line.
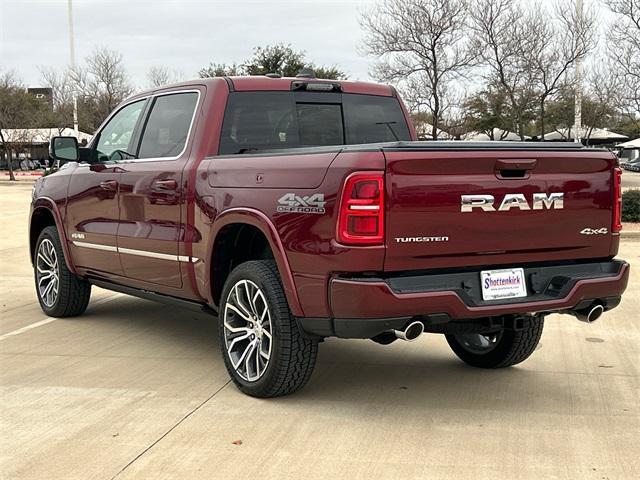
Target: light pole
{"x": 72, "y": 64}
{"x": 577, "y": 124}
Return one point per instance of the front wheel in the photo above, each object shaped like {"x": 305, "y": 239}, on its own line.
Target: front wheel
{"x": 499, "y": 349}
{"x": 60, "y": 292}
{"x": 264, "y": 351}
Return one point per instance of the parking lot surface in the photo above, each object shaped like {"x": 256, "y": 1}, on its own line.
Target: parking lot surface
{"x": 137, "y": 390}
{"x": 630, "y": 179}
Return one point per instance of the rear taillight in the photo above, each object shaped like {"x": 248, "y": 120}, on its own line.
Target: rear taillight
{"x": 617, "y": 200}
{"x": 361, "y": 214}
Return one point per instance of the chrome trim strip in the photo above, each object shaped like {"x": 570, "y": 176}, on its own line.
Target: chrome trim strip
{"x": 140, "y": 253}
{"x": 144, "y": 253}
{"x": 96, "y": 246}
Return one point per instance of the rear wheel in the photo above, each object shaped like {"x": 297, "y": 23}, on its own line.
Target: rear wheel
{"x": 60, "y": 292}
{"x": 263, "y": 349}
{"x": 499, "y": 349}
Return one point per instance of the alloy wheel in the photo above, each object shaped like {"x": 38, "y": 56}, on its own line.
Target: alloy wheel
{"x": 47, "y": 273}
{"x": 248, "y": 331}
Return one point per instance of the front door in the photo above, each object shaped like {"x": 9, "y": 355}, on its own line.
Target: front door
{"x": 152, "y": 194}
{"x": 92, "y": 201}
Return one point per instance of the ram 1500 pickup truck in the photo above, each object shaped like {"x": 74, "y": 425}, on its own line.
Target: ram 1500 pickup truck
{"x": 296, "y": 209}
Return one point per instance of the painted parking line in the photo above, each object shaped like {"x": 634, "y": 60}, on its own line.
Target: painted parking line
{"x": 53, "y": 319}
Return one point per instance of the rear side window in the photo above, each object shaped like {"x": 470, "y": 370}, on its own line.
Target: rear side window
{"x": 274, "y": 120}
{"x": 167, "y": 128}
{"x": 371, "y": 119}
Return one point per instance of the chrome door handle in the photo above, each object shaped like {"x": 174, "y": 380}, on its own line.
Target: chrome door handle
{"x": 109, "y": 185}
{"x": 165, "y": 184}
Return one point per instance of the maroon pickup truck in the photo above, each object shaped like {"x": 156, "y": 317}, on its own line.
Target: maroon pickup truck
{"x": 296, "y": 209}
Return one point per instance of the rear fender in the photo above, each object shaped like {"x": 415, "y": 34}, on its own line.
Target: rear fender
{"x": 259, "y": 220}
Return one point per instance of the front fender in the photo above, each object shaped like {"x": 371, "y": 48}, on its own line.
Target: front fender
{"x": 259, "y": 220}
{"x": 46, "y": 203}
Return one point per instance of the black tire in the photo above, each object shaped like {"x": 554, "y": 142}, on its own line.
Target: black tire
{"x": 73, "y": 292}
{"x": 511, "y": 346}
{"x": 292, "y": 356}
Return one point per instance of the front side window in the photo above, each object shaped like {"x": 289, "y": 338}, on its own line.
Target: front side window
{"x": 114, "y": 141}
{"x": 166, "y": 132}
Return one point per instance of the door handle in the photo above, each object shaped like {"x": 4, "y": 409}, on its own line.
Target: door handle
{"x": 109, "y": 185}
{"x": 165, "y": 185}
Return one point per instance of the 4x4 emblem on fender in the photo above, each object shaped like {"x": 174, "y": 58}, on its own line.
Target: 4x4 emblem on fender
{"x": 290, "y": 202}
{"x": 594, "y": 231}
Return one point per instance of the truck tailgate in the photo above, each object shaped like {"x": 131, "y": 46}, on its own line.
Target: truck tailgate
{"x": 427, "y": 227}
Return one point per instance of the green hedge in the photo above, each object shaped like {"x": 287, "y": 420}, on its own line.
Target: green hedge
{"x": 631, "y": 206}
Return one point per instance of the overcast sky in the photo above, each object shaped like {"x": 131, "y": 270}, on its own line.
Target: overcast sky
{"x": 184, "y": 35}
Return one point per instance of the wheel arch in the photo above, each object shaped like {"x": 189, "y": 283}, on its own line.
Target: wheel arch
{"x": 44, "y": 214}
{"x": 234, "y": 228}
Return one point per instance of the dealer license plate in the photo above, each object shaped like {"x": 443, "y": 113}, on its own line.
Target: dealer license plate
{"x": 503, "y": 284}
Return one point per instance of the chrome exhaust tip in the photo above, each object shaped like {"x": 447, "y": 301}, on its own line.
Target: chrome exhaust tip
{"x": 589, "y": 314}
{"x": 411, "y": 332}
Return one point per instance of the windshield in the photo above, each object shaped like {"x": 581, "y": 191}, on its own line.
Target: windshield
{"x": 273, "y": 120}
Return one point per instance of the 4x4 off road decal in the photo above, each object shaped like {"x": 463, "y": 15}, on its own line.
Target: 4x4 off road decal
{"x": 290, "y": 202}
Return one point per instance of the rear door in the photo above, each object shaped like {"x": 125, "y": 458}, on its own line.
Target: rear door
{"x": 428, "y": 225}
{"x": 152, "y": 194}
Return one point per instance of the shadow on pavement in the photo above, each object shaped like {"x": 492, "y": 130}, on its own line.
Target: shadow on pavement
{"x": 420, "y": 375}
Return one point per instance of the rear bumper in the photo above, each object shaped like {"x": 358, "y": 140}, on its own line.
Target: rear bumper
{"x": 363, "y": 306}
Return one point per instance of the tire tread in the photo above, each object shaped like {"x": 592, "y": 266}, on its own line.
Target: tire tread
{"x": 74, "y": 292}
{"x": 514, "y": 347}
{"x": 296, "y": 355}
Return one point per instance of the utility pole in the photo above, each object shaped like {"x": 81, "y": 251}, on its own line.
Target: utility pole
{"x": 577, "y": 125}
{"x": 72, "y": 64}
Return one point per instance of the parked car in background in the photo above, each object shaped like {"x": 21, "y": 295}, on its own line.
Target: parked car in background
{"x": 297, "y": 209}
{"x": 632, "y": 166}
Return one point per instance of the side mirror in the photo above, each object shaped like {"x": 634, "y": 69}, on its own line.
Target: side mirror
{"x": 64, "y": 149}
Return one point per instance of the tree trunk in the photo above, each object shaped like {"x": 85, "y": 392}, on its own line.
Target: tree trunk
{"x": 542, "y": 120}
{"x": 12, "y": 177}
{"x": 435, "y": 113}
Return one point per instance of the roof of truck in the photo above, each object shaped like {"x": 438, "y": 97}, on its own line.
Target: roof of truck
{"x": 264, "y": 83}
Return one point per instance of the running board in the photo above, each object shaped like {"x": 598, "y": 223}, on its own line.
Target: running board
{"x": 153, "y": 296}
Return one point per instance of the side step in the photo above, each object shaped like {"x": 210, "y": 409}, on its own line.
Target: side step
{"x": 153, "y": 296}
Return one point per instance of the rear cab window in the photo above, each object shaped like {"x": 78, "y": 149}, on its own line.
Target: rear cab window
{"x": 256, "y": 121}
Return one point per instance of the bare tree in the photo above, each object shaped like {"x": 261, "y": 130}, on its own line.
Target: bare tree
{"x": 624, "y": 48}
{"x": 602, "y": 96}
{"x": 505, "y": 35}
{"x": 560, "y": 40}
{"x": 159, "y": 76}
{"x": 103, "y": 83}
{"x": 422, "y": 46}
{"x": 61, "y": 85}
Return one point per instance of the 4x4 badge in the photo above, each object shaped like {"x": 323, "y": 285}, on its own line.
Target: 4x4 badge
{"x": 290, "y": 202}
{"x": 594, "y": 231}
